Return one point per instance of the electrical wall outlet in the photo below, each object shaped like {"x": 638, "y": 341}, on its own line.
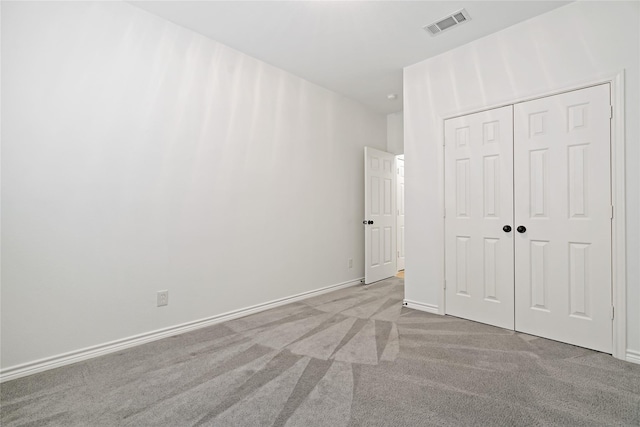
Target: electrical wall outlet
{"x": 350, "y": 263}
{"x": 163, "y": 298}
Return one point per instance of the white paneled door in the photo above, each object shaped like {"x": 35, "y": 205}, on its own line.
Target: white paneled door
{"x": 379, "y": 211}
{"x": 563, "y": 204}
{"x": 528, "y": 217}
{"x": 478, "y": 207}
{"x": 400, "y": 218}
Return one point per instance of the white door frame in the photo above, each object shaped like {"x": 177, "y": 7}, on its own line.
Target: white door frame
{"x": 618, "y": 173}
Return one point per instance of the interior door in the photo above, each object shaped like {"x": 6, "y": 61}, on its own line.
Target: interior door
{"x": 563, "y": 194}
{"x": 478, "y": 216}
{"x": 400, "y": 217}
{"x": 379, "y": 209}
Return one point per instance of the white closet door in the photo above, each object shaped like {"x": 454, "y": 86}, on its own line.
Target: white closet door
{"x": 562, "y": 192}
{"x": 400, "y": 221}
{"x": 479, "y": 203}
{"x": 379, "y": 211}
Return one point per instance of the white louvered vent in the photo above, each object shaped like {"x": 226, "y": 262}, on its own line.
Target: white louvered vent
{"x": 443, "y": 24}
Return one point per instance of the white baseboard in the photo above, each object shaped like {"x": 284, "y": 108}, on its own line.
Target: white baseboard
{"x": 429, "y": 308}
{"x": 633, "y": 356}
{"x": 25, "y": 369}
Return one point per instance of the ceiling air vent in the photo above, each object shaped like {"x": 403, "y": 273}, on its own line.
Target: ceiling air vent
{"x": 447, "y": 22}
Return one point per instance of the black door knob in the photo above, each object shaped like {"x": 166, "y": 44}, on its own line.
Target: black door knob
{"x": 364, "y": 222}
{"x": 521, "y": 229}
{"x": 370, "y": 222}
{"x": 506, "y": 228}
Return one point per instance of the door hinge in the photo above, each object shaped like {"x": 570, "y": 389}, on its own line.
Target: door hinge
{"x": 445, "y": 283}
{"x": 611, "y": 111}
{"x": 444, "y": 213}
{"x": 398, "y": 254}
{"x": 611, "y": 211}
{"x": 613, "y": 312}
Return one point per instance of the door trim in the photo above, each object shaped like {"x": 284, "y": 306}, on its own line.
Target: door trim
{"x": 618, "y": 191}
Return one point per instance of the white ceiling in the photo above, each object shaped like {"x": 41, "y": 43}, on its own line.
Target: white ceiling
{"x": 356, "y": 48}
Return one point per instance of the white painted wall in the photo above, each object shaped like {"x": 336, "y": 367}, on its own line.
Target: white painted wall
{"x": 395, "y": 133}
{"x": 552, "y": 51}
{"x": 139, "y": 156}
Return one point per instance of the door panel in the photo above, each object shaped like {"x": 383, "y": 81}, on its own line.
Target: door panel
{"x": 562, "y": 194}
{"x": 479, "y": 202}
{"x": 380, "y": 202}
{"x": 400, "y": 219}
{"x": 561, "y": 198}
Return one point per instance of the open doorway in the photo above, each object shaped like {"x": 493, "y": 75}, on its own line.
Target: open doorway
{"x": 385, "y": 205}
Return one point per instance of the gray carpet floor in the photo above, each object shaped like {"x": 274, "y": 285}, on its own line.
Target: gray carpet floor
{"x": 354, "y": 357}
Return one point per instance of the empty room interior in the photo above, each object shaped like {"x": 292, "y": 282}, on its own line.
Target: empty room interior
{"x": 320, "y": 213}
